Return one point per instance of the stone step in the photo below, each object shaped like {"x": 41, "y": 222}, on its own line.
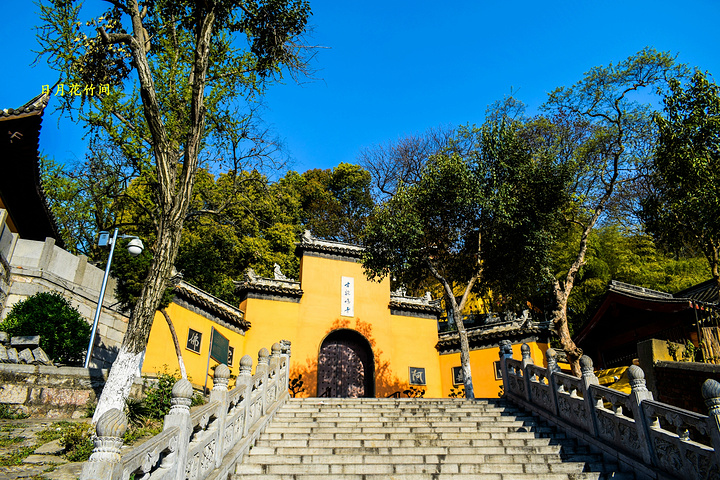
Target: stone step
{"x": 414, "y": 443}
{"x": 384, "y": 435}
{"x": 416, "y": 439}
{"x": 249, "y": 468}
{"x": 449, "y": 476}
{"x": 460, "y": 449}
{"x": 368, "y": 458}
{"x": 311, "y": 430}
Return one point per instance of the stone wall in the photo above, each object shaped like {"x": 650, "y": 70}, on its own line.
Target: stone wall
{"x": 44, "y": 267}
{"x": 53, "y": 391}
{"x": 679, "y": 383}
{"x": 7, "y": 244}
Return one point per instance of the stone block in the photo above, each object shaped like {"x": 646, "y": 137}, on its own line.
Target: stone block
{"x": 41, "y": 357}
{"x": 13, "y": 393}
{"x": 64, "y": 396}
{"x": 3, "y": 354}
{"x": 26, "y": 356}
{"x": 26, "y": 341}
{"x": 4, "y": 338}
{"x": 12, "y": 355}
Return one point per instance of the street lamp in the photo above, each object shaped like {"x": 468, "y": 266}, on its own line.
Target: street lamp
{"x": 135, "y": 248}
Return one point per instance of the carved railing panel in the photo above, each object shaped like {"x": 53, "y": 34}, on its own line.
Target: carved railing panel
{"x": 682, "y": 443}
{"x": 195, "y": 446}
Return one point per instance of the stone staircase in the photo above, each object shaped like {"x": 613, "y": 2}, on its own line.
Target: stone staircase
{"x": 418, "y": 439}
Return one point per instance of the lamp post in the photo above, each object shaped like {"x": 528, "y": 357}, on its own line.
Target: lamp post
{"x": 135, "y": 248}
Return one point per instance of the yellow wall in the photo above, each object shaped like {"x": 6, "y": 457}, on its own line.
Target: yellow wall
{"x": 398, "y": 342}
{"x": 160, "y": 354}
{"x": 482, "y": 367}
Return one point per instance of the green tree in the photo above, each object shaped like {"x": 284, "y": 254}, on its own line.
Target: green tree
{"x": 191, "y": 72}
{"x": 606, "y": 134}
{"x": 64, "y": 335}
{"x": 334, "y": 203}
{"x": 616, "y": 253}
{"x": 464, "y": 219}
{"x": 683, "y": 205}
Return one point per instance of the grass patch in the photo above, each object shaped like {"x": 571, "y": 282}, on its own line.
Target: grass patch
{"x": 16, "y": 457}
{"x": 7, "y": 440}
{"x": 149, "y": 428}
{"x": 53, "y": 432}
{"x": 11, "y": 426}
{"x": 9, "y": 412}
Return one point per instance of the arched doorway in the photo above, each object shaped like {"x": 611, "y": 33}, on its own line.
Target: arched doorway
{"x": 346, "y": 367}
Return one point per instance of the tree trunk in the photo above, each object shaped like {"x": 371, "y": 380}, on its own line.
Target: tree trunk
{"x": 173, "y": 197}
{"x": 462, "y": 333}
{"x": 560, "y": 324}
{"x": 178, "y": 351}
{"x": 464, "y": 353}
{"x": 124, "y": 369}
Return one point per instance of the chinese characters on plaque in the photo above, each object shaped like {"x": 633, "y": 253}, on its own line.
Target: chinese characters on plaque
{"x": 193, "y": 341}
{"x": 347, "y": 297}
{"x": 458, "y": 378}
{"x": 417, "y": 376}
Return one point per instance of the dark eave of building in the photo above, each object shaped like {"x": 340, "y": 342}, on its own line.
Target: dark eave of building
{"x": 21, "y": 189}
{"x": 632, "y": 297}
{"x": 311, "y": 246}
{"x": 423, "y": 307}
{"x": 254, "y": 286}
{"x": 706, "y": 291}
{"x": 490, "y": 335}
{"x": 223, "y": 313}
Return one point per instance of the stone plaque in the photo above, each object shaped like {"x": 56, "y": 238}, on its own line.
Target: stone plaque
{"x": 457, "y": 376}
{"x": 194, "y": 340}
{"x": 417, "y": 376}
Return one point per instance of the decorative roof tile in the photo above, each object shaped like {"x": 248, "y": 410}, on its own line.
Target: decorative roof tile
{"x": 400, "y": 301}
{"x": 272, "y": 286}
{"x": 311, "y": 244}
{"x": 498, "y": 329}
{"x": 212, "y": 304}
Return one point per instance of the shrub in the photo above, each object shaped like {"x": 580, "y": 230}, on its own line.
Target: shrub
{"x": 157, "y": 397}
{"x": 77, "y": 440}
{"x": 64, "y": 335}
{"x": 10, "y": 412}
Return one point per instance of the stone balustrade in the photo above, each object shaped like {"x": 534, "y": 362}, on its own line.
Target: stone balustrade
{"x": 632, "y": 426}
{"x": 204, "y": 444}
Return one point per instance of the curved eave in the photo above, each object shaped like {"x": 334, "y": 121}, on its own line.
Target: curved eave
{"x": 414, "y": 307}
{"x": 332, "y": 250}
{"x": 21, "y": 186}
{"x": 481, "y": 338}
{"x": 213, "y": 305}
{"x": 635, "y": 301}
{"x": 245, "y": 287}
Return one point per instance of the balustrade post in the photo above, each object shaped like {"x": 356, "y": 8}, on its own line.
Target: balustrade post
{"x": 244, "y": 381}
{"x": 105, "y": 461}
{"x": 711, "y": 394}
{"x": 276, "y": 351}
{"x": 179, "y": 416}
{"x": 526, "y": 360}
{"x": 285, "y": 355}
{"x": 552, "y": 369}
{"x": 505, "y": 352}
{"x": 638, "y": 394}
{"x": 261, "y": 370}
{"x": 588, "y": 377}
{"x": 219, "y": 394}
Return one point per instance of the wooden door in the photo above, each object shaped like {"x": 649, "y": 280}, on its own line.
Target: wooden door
{"x": 344, "y": 368}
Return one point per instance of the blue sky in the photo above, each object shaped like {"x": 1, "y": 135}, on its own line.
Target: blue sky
{"x": 397, "y": 68}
